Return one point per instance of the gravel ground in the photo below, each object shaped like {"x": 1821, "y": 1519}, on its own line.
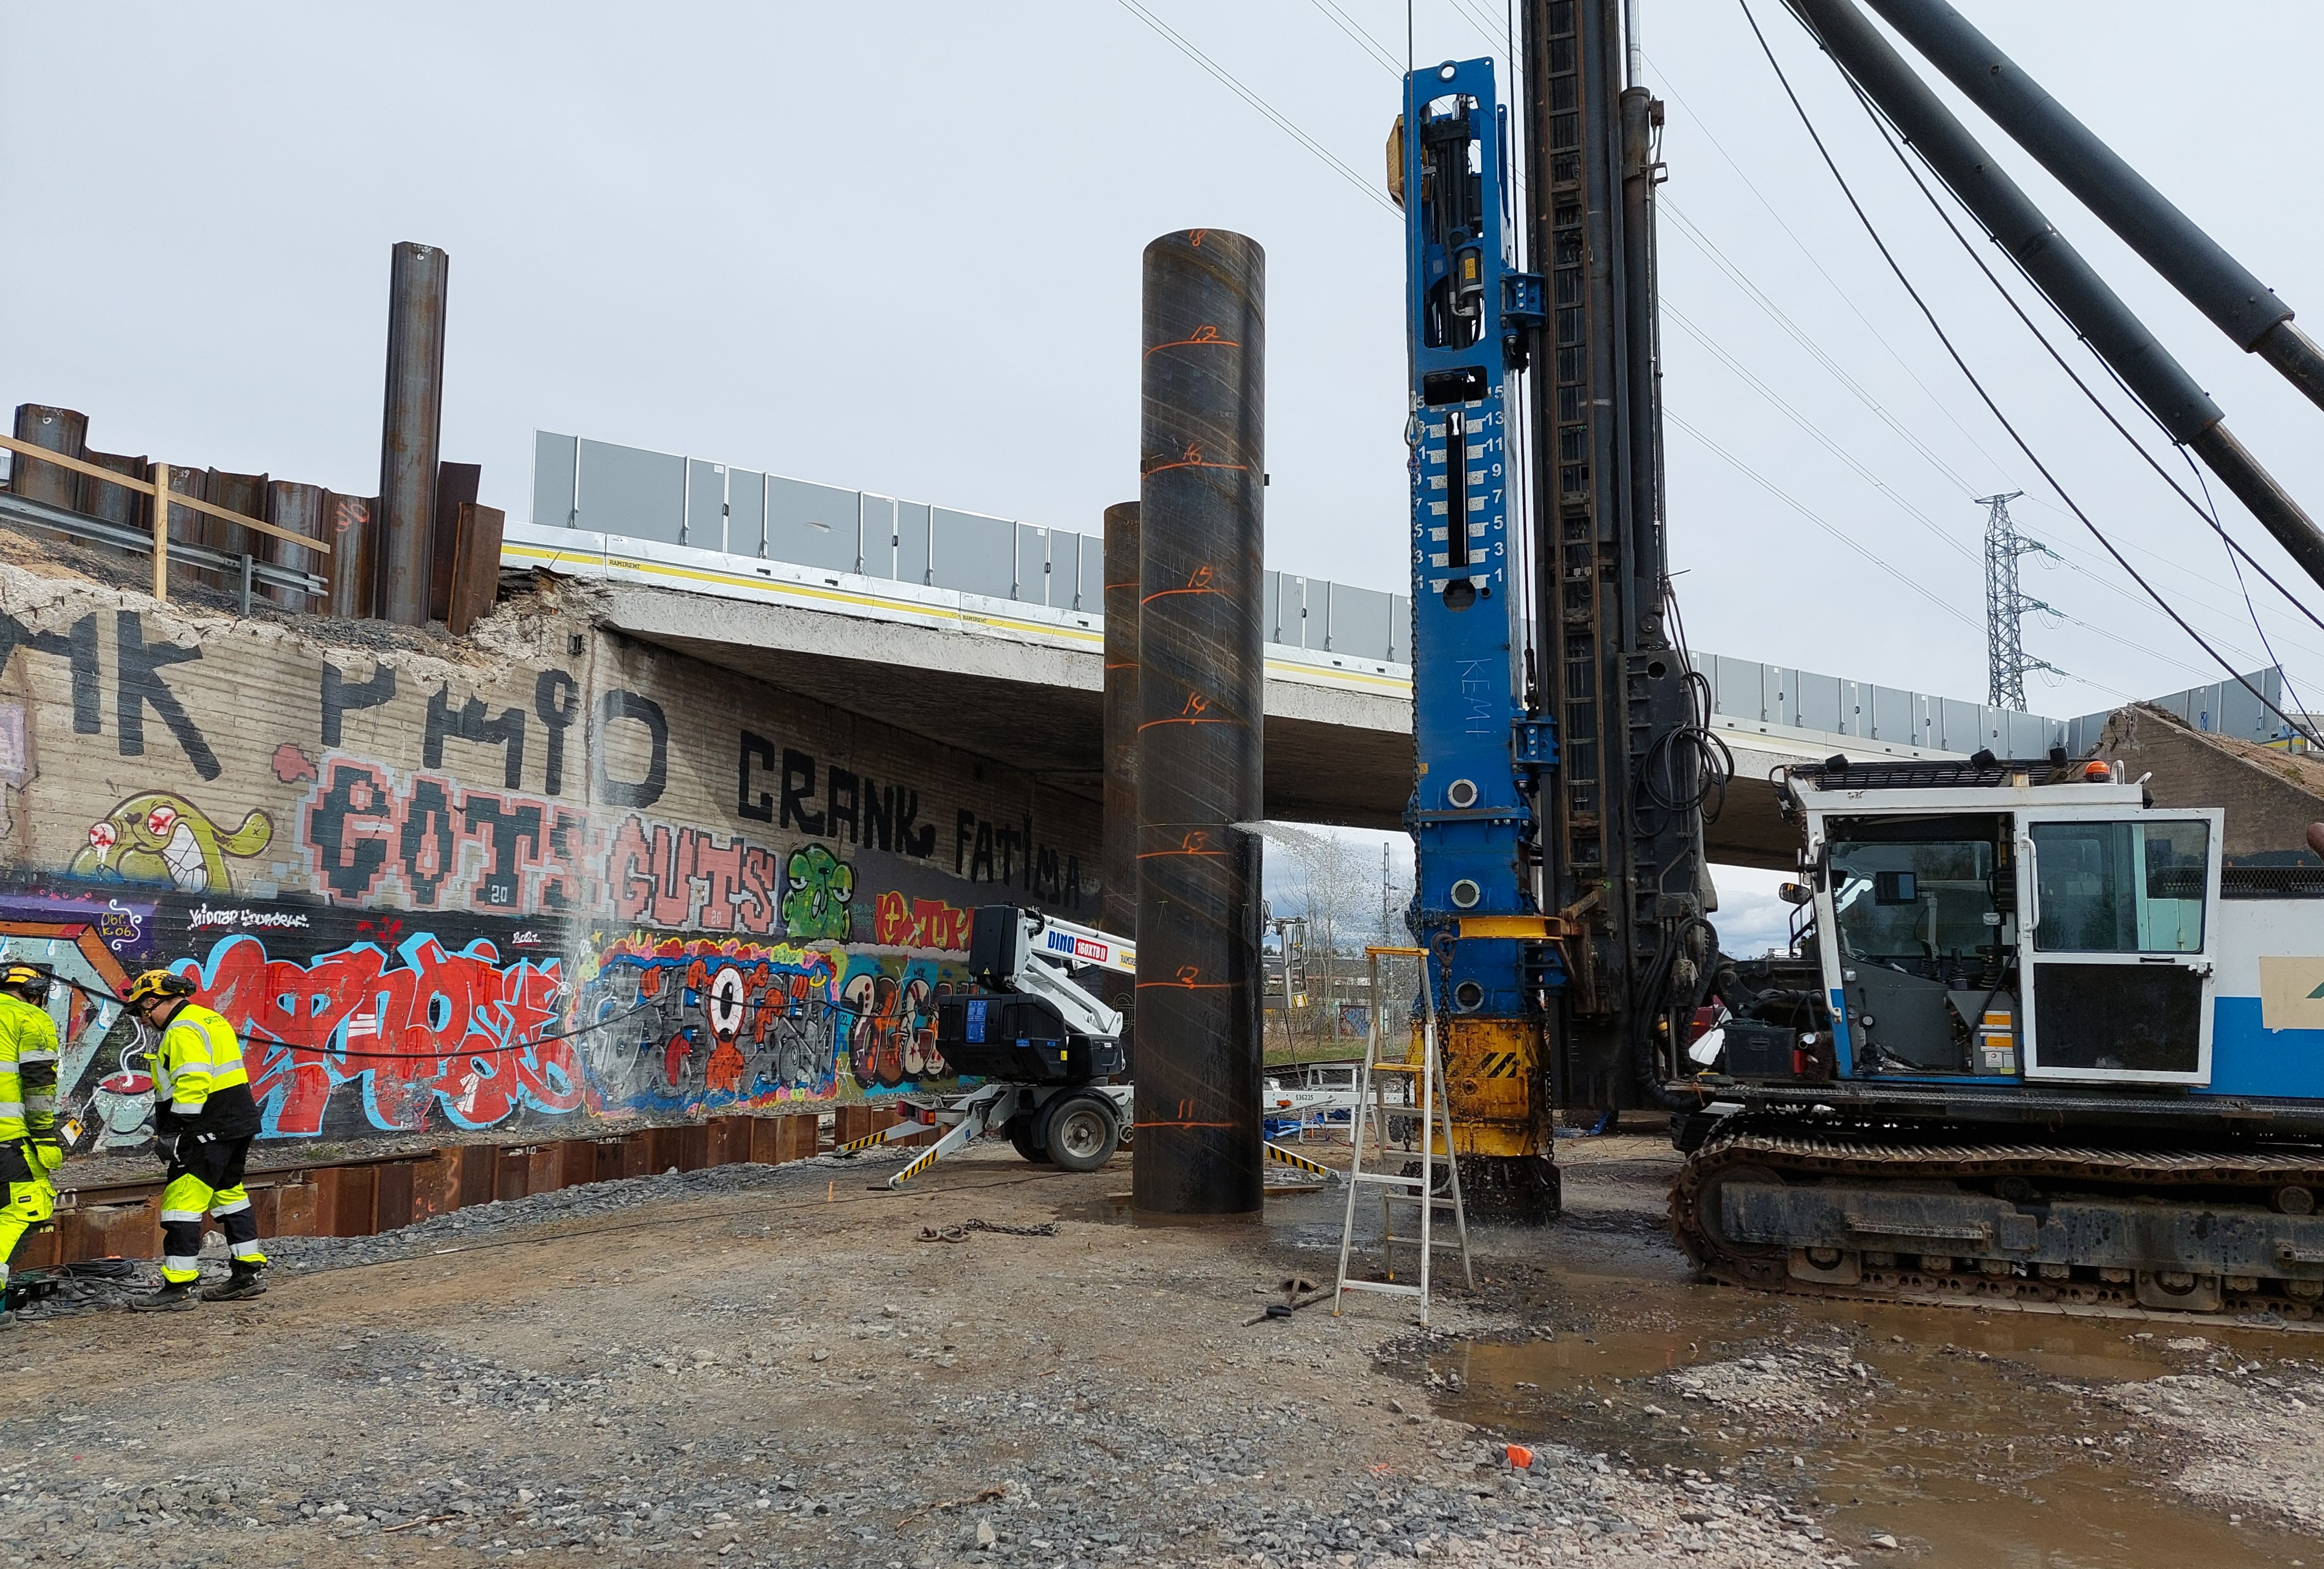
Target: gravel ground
{"x": 2251, "y": 1438}
{"x": 770, "y": 1366}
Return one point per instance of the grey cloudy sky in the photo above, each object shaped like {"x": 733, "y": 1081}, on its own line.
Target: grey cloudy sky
{"x": 897, "y": 247}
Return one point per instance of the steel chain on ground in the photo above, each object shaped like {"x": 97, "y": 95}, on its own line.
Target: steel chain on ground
{"x": 959, "y": 1233}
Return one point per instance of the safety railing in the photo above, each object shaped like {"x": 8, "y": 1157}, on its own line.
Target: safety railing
{"x": 158, "y": 487}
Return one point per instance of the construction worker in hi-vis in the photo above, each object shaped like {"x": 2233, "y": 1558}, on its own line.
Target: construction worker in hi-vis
{"x": 204, "y": 1120}
{"x": 29, "y": 1150}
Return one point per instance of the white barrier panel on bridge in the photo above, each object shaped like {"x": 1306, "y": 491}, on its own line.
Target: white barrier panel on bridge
{"x": 636, "y": 493}
{"x": 633, "y": 493}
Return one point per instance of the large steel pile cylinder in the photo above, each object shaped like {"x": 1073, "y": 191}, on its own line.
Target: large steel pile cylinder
{"x": 1119, "y": 912}
{"x": 411, "y": 433}
{"x": 1201, "y": 700}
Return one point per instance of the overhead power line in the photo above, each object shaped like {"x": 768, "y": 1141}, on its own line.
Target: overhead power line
{"x": 1363, "y": 39}
{"x": 1178, "y": 42}
{"x": 1663, "y": 203}
{"x": 2023, "y": 445}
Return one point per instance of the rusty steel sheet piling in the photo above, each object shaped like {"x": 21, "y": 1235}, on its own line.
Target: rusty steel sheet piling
{"x": 411, "y": 433}
{"x": 302, "y": 508}
{"x": 64, "y": 430}
{"x": 1120, "y": 726}
{"x": 1198, "y": 1154}
{"x": 353, "y": 533}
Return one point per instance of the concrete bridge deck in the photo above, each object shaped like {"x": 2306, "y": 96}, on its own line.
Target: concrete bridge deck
{"x": 1022, "y": 683}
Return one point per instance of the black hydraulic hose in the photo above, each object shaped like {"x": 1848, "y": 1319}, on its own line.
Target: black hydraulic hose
{"x": 2058, "y": 270}
{"x": 1652, "y": 1006}
{"x": 2149, "y": 222}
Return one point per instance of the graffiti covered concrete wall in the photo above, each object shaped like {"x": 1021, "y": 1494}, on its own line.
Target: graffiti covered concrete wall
{"x": 544, "y": 874}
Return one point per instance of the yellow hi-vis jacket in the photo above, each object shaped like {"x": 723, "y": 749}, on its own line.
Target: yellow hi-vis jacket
{"x": 198, "y": 1083}
{"x": 28, "y": 1073}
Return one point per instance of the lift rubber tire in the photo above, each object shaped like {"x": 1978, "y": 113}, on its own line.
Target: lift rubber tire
{"x": 1081, "y": 1132}
{"x": 1021, "y": 1138}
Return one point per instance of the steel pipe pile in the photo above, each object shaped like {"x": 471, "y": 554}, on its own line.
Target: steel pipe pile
{"x": 1199, "y": 695}
{"x": 411, "y": 435}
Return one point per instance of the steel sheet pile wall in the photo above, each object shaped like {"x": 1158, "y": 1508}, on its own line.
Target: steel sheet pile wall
{"x": 1201, "y": 693}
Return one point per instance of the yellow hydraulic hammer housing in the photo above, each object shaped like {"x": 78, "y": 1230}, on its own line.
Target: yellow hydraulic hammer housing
{"x": 1497, "y": 1092}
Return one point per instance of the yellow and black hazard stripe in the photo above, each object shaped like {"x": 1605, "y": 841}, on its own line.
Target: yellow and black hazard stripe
{"x": 1502, "y": 1064}
{"x": 1317, "y": 1168}
{"x": 852, "y": 1145}
{"x": 919, "y": 1165}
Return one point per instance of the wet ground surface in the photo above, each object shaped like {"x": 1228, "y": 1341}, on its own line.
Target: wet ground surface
{"x": 1968, "y": 1437}
{"x": 999, "y": 1368}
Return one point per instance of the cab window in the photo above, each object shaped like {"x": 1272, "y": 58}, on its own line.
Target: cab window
{"x": 2120, "y": 887}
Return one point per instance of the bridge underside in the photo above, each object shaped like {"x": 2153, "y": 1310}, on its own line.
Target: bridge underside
{"x": 1332, "y": 756}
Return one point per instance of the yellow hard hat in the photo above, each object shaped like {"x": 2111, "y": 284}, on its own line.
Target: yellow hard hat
{"x": 155, "y": 984}
{"x": 16, "y": 973}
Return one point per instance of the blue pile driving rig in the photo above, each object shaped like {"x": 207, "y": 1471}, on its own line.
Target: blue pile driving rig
{"x": 2035, "y": 1039}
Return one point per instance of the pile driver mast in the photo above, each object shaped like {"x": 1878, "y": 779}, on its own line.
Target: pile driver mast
{"x": 1557, "y": 804}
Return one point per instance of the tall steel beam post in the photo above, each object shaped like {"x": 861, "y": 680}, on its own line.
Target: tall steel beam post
{"x": 411, "y": 433}
{"x": 1201, "y": 701}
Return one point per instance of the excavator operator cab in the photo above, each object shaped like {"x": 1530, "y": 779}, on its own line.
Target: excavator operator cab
{"x": 1924, "y": 926}
{"x": 1999, "y": 921}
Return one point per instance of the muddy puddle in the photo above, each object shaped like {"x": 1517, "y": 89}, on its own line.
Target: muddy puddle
{"x": 1972, "y": 1440}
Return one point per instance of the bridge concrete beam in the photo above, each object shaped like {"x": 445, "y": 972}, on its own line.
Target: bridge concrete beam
{"x": 1334, "y": 753}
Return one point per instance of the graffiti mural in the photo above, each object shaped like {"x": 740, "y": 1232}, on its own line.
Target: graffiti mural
{"x": 674, "y": 878}
{"x": 92, "y": 945}
{"x": 817, "y": 887}
{"x": 370, "y": 834}
{"x": 901, "y": 921}
{"x": 892, "y": 1021}
{"x": 167, "y": 841}
{"x": 670, "y": 1023}
{"x": 420, "y": 1032}
{"x": 581, "y": 878}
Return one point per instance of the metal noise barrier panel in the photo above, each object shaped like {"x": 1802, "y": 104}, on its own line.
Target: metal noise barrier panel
{"x": 1199, "y": 1153}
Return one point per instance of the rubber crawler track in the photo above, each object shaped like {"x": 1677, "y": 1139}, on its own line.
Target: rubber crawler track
{"x": 1791, "y": 1155}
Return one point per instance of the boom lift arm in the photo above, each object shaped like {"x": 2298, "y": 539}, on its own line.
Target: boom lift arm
{"x": 1013, "y": 949}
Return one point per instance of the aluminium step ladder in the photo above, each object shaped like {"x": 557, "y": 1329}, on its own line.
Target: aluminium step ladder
{"x": 1396, "y": 1189}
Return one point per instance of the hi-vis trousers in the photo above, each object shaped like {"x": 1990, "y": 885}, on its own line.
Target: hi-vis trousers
{"x": 205, "y": 1181}
{"x": 27, "y": 1198}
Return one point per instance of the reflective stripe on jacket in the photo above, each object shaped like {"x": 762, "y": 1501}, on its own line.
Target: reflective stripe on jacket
{"x": 199, "y": 1057}
{"x": 28, "y": 1071}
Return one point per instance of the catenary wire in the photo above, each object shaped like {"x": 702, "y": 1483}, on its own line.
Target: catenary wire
{"x": 1817, "y": 263}
{"x": 1890, "y": 138}
{"x": 2249, "y": 608}
{"x": 1363, "y": 39}
{"x": 2023, "y": 445}
{"x": 1726, "y": 264}
{"x": 1176, "y": 41}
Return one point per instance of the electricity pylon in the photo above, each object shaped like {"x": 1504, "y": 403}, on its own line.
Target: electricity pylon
{"x": 2004, "y": 607}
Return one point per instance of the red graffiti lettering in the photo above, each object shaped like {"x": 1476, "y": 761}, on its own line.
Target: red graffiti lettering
{"x": 421, "y": 1028}
{"x": 902, "y": 922}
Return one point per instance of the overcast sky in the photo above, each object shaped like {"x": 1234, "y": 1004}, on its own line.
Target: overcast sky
{"x": 897, "y": 247}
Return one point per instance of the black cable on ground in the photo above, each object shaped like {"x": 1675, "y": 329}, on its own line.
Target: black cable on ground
{"x": 783, "y": 1207}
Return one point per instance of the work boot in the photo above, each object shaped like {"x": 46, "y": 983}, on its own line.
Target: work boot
{"x": 174, "y": 1296}
{"x": 238, "y": 1287}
